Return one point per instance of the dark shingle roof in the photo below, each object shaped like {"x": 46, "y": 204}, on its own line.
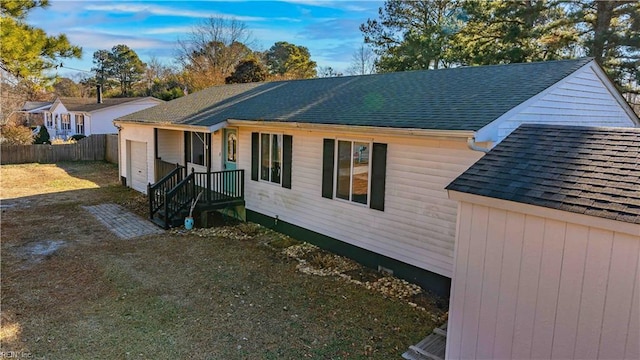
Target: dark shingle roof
{"x": 32, "y": 105}
{"x": 592, "y": 171}
{"x": 466, "y": 98}
{"x": 91, "y": 104}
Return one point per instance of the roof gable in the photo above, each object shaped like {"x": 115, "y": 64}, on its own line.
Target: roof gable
{"x": 585, "y": 170}
{"x": 36, "y": 105}
{"x": 90, "y": 104}
{"x": 465, "y": 98}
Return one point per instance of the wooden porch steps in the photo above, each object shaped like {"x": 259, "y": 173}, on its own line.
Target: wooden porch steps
{"x": 178, "y": 220}
{"x": 430, "y": 348}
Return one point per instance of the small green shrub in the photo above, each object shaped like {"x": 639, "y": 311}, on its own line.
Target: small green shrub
{"x": 43, "y": 136}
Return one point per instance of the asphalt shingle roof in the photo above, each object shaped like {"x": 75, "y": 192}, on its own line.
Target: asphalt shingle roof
{"x": 466, "y": 98}
{"x": 592, "y": 171}
{"x": 31, "y": 105}
{"x": 91, "y": 104}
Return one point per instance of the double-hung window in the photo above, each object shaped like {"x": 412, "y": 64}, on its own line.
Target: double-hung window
{"x": 354, "y": 171}
{"x": 196, "y": 146}
{"x": 49, "y": 119}
{"x": 271, "y": 157}
{"x": 65, "y": 122}
{"x": 79, "y": 124}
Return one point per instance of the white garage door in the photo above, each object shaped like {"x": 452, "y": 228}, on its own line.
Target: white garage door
{"x": 138, "y": 165}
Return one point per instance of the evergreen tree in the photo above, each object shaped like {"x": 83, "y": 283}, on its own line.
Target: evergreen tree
{"x": 610, "y": 32}
{"x": 27, "y": 51}
{"x": 42, "y": 137}
{"x": 290, "y": 61}
{"x": 121, "y": 64}
{"x": 412, "y": 35}
{"x": 498, "y": 31}
{"x": 248, "y": 70}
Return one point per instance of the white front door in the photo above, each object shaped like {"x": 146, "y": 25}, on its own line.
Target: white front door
{"x": 138, "y": 165}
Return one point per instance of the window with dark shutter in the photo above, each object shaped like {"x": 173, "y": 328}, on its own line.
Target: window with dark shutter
{"x": 255, "y": 155}
{"x": 378, "y": 175}
{"x": 354, "y": 171}
{"x": 271, "y": 158}
{"x": 328, "y": 151}
{"x": 287, "y": 157}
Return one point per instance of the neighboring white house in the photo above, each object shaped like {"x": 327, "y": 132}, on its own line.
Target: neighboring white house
{"x": 67, "y": 116}
{"x": 359, "y": 164}
{"x": 547, "y": 258}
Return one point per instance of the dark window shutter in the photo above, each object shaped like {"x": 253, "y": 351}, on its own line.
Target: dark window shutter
{"x": 378, "y": 175}
{"x": 255, "y": 155}
{"x": 328, "y": 150}
{"x": 187, "y": 147}
{"x": 287, "y": 156}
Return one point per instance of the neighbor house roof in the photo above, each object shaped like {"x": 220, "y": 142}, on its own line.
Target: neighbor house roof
{"x": 91, "y": 104}
{"x": 465, "y": 98}
{"x": 591, "y": 171}
{"x": 33, "y": 105}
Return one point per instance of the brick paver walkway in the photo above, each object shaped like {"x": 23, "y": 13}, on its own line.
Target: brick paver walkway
{"x": 123, "y": 223}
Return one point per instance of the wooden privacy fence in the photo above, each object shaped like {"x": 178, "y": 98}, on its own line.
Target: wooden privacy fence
{"x": 93, "y": 147}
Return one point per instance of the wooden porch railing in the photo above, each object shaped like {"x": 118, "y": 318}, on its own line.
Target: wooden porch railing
{"x": 157, "y": 191}
{"x": 220, "y": 188}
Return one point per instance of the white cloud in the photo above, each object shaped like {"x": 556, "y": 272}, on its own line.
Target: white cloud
{"x": 165, "y": 11}
{"x": 343, "y": 5}
{"x": 168, "y": 30}
{"x": 108, "y": 40}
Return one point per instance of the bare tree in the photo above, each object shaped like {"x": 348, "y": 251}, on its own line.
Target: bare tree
{"x": 363, "y": 61}
{"x": 212, "y": 50}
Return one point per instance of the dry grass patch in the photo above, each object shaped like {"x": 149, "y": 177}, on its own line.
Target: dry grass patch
{"x": 208, "y": 294}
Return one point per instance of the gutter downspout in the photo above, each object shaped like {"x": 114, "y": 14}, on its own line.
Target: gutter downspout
{"x": 471, "y": 143}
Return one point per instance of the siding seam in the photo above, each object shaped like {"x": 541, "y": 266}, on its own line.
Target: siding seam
{"x": 633, "y": 293}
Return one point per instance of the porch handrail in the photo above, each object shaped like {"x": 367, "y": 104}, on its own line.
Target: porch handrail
{"x": 179, "y": 198}
{"x": 226, "y": 185}
{"x": 156, "y": 191}
{"x": 174, "y": 197}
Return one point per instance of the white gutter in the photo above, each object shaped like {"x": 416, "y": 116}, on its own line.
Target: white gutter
{"x": 170, "y": 126}
{"x": 471, "y": 143}
{"x": 358, "y": 129}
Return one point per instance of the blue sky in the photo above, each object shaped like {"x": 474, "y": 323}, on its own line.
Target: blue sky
{"x": 329, "y": 29}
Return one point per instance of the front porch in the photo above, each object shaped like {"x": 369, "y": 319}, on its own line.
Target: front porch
{"x": 171, "y": 198}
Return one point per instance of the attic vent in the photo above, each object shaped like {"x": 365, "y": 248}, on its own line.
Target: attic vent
{"x": 385, "y": 270}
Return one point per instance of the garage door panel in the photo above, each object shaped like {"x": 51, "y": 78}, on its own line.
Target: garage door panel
{"x": 138, "y": 161}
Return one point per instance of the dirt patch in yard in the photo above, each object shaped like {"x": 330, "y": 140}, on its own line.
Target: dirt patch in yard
{"x": 223, "y": 293}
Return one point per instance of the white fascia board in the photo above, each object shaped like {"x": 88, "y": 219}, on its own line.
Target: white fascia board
{"x": 55, "y": 104}
{"x": 549, "y": 213}
{"x": 358, "y": 129}
{"x": 608, "y": 84}
{"x": 168, "y": 126}
{"x": 41, "y": 108}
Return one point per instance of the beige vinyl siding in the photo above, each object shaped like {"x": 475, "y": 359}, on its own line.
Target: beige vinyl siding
{"x": 580, "y": 99}
{"x": 171, "y": 146}
{"x": 529, "y": 286}
{"x": 418, "y": 224}
{"x": 138, "y": 133}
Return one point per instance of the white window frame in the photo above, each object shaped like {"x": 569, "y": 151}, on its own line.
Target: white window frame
{"x": 204, "y": 145}
{"x": 336, "y": 170}
{"x": 48, "y": 119}
{"x": 270, "y": 173}
{"x": 65, "y": 125}
{"x": 79, "y": 127}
